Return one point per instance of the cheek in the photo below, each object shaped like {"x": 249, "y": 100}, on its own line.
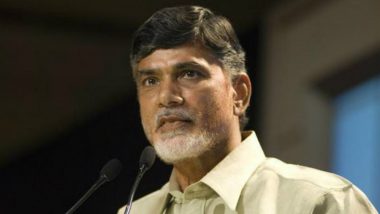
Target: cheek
{"x": 214, "y": 105}
{"x": 146, "y": 103}
{"x": 146, "y": 114}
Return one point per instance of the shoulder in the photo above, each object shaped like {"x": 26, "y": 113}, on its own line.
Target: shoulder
{"x": 312, "y": 189}
{"x": 152, "y": 201}
{"x": 302, "y": 175}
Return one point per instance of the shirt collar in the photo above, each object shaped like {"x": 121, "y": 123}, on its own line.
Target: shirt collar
{"x": 230, "y": 175}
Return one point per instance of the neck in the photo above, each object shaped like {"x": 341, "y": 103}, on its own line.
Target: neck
{"x": 193, "y": 170}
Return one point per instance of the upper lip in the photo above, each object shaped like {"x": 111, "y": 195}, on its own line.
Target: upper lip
{"x": 170, "y": 118}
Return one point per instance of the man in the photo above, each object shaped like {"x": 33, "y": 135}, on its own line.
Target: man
{"x": 193, "y": 92}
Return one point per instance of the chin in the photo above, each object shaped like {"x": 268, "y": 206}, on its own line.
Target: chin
{"x": 178, "y": 148}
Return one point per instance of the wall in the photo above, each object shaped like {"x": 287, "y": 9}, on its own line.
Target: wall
{"x": 306, "y": 42}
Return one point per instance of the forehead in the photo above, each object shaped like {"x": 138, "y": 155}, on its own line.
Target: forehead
{"x": 166, "y": 58}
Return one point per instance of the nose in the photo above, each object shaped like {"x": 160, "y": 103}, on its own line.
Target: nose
{"x": 170, "y": 94}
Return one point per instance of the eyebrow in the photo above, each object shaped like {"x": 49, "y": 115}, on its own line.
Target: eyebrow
{"x": 189, "y": 64}
{"x": 144, "y": 72}
{"x": 178, "y": 66}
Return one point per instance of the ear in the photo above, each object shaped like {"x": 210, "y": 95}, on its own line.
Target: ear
{"x": 242, "y": 93}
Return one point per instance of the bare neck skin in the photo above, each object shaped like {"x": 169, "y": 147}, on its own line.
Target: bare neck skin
{"x": 192, "y": 170}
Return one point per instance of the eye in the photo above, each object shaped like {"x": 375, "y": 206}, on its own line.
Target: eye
{"x": 150, "y": 81}
{"x": 190, "y": 74}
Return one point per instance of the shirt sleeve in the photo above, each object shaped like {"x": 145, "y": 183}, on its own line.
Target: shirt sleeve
{"x": 349, "y": 200}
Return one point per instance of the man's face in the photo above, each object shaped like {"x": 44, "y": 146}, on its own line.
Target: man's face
{"x": 186, "y": 102}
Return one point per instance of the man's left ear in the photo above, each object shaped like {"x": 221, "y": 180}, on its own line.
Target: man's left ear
{"x": 242, "y": 93}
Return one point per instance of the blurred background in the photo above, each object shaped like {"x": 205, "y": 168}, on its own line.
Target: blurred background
{"x": 68, "y": 102}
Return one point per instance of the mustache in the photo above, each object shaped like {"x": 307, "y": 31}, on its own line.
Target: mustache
{"x": 179, "y": 113}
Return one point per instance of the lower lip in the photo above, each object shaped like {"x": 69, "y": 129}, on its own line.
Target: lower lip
{"x": 171, "y": 126}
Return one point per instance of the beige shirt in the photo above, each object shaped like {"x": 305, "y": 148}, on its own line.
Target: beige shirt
{"x": 245, "y": 181}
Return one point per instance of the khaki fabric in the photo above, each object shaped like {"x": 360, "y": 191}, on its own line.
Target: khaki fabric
{"x": 246, "y": 181}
